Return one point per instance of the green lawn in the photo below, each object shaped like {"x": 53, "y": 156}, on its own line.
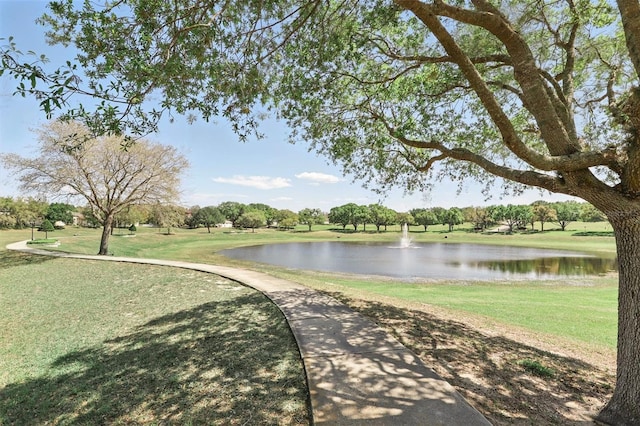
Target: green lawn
{"x": 582, "y": 313}
{"x": 98, "y": 342}
{"x": 92, "y": 342}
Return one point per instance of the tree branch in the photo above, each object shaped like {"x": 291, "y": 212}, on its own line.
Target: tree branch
{"x": 567, "y": 163}
{"x": 630, "y": 14}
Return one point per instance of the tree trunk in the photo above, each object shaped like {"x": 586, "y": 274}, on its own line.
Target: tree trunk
{"x": 624, "y": 406}
{"x": 107, "y": 226}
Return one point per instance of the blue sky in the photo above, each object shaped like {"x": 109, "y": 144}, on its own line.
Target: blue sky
{"x": 270, "y": 171}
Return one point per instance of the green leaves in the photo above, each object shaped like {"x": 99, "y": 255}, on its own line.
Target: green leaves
{"x": 368, "y": 84}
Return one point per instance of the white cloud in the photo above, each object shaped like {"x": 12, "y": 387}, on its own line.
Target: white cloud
{"x": 208, "y": 199}
{"x": 259, "y": 182}
{"x": 318, "y": 178}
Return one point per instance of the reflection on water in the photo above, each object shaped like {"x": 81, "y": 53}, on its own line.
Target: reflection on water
{"x": 563, "y": 266}
{"x": 435, "y": 260}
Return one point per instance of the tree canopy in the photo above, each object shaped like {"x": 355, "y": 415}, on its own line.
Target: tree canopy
{"x": 60, "y": 212}
{"x": 385, "y": 89}
{"x": 46, "y": 227}
{"x": 310, "y": 217}
{"x": 402, "y": 92}
{"x": 209, "y": 216}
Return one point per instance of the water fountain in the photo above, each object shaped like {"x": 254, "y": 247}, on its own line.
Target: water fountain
{"x": 405, "y": 241}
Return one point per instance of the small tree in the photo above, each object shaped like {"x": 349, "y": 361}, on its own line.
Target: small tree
{"x": 311, "y": 217}
{"x": 46, "y": 227}
{"x": 270, "y": 213}
{"x": 525, "y": 216}
{"x": 440, "y": 214}
{"x": 232, "y": 211}
{"x": 339, "y": 215}
{"x": 382, "y": 216}
{"x": 544, "y": 213}
{"x": 209, "y": 216}
{"x": 61, "y": 212}
{"x": 480, "y": 218}
{"x": 359, "y": 215}
{"x": 131, "y": 214}
{"x": 452, "y": 217}
{"x": 567, "y": 212}
{"x": 425, "y": 218}
{"x": 252, "y": 219}
{"x": 7, "y": 222}
{"x": 168, "y": 216}
{"x": 286, "y": 219}
{"x": 402, "y": 218}
{"x": 588, "y": 213}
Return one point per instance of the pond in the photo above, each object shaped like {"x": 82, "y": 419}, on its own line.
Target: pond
{"x": 427, "y": 261}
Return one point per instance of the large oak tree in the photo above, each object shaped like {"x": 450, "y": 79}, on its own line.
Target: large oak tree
{"x": 533, "y": 92}
{"x": 73, "y": 162}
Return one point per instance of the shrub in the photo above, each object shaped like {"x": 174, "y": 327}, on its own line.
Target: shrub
{"x": 536, "y": 368}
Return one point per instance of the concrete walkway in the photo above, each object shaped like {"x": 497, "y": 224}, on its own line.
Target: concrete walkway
{"x": 357, "y": 373}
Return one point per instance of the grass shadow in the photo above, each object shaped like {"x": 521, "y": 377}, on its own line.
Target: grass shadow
{"x": 593, "y": 234}
{"x": 491, "y": 371}
{"x": 10, "y": 259}
{"x": 213, "y": 364}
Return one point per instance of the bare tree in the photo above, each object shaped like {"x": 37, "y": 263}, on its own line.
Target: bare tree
{"x": 103, "y": 170}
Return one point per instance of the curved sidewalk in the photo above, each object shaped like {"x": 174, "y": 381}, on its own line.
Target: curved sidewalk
{"x": 356, "y": 372}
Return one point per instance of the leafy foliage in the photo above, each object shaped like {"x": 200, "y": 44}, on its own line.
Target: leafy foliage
{"x": 46, "y": 227}
{"x": 536, "y": 368}
{"x": 252, "y": 219}
{"x": 310, "y": 217}
{"x": 386, "y": 90}
{"x": 21, "y": 212}
{"x": 208, "y": 216}
{"x": 60, "y": 212}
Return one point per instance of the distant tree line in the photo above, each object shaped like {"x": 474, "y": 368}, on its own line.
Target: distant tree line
{"x": 19, "y": 213}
